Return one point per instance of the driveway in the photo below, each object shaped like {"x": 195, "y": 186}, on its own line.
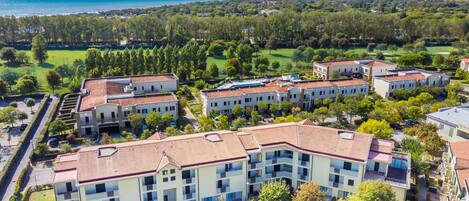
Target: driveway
{"x": 189, "y": 116}
{"x": 17, "y": 166}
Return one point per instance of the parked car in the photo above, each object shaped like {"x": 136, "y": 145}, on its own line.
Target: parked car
{"x": 7, "y": 128}
{"x": 173, "y": 124}
{"x": 23, "y": 127}
{"x": 53, "y": 142}
{"x": 410, "y": 122}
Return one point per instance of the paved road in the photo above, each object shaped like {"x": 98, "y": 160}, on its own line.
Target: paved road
{"x": 421, "y": 185}
{"x": 5, "y": 193}
{"x": 190, "y": 117}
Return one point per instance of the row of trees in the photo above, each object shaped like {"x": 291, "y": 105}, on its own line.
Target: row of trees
{"x": 367, "y": 191}
{"x": 313, "y": 28}
{"x": 26, "y": 84}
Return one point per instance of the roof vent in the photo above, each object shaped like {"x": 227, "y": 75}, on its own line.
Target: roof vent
{"x": 347, "y": 135}
{"x": 106, "y": 151}
{"x": 214, "y": 137}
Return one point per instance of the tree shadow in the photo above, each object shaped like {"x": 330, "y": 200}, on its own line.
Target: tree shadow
{"x": 220, "y": 57}
{"x": 278, "y": 55}
{"x": 46, "y": 65}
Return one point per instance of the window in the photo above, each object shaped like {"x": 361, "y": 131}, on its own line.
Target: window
{"x": 350, "y": 182}
{"x": 144, "y": 111}
{"x": 113, "y": 115}
{"x": 152, "y": 88}
{"x": 173, "y": 178}
{"x": 347, "y": 165}
{"x": 172, "y": 171}
{"x": 87, "y": 119}
{"x": 149, "y": 180}
{"x": 165, "y": 179}
{"x": 165, "y": 172}
{"x": 102, "y": 115}
{"x": 216, "y": 104}
{"x": 224, "y": 103}
{"x": 166, "y": 108}
{"x": 100, "y": 188}
{"x": 143, "y": 88}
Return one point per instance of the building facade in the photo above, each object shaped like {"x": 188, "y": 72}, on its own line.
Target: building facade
{"x": 455, "y": 168}
{"x": 301, "y": 93}
{"x": 452, "y": 123}
{"x": 230, "y": 164}
{"x": 105, "y": 103}
{"x": 364, "y": 67}
{"x": 408, "y": 80}
{"x": 464, "y": 64}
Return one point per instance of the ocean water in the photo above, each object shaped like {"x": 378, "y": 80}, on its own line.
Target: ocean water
{"x": 56, "y": 7}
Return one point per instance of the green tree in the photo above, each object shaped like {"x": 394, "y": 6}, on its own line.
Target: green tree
{"x": 438, "y": 60}
{"x": 213, "y": 71}
{"x": 153, "y": 120}
{"x": 320, "y": 114}
{"x": 105, "y": 139}
{"x": 205, "y": 123}
{"x": 30, "y": 102}
{"x": 373, "y": 191}
{"x": 166, "y": 118}
{"x": 262, "y": 107}
{"x": 53, "y": 80}
{"x": 8, "y": 54}
{"x": 3, "y": 89}
{"x": 65, "y": 148}
{"x": 271, "y": 44}
{"x": 309, "y": 192}
{"x": 145, "y": 134}
{"x": 238, "y": 123}
{"x": 136, "y": 121}
{"x": 172, "y": 131}
{"x": 57, "y": 127}
{"x": 9, "y": 77}
{"x": 380, "y": 129}
{"x": 275, "y": 65}
{"x": 255, "y": 118}
{"x": 39, "y": 48}
{"x": 274, "y": 191}
{"x": 237, "y": 110}
{"x": 9, "y": 115}
{"x": 223, "y": 122}
{"x": 25, "y": 86}
{"x": 22, "y": 116}
{"x": 189, "y": 129}
{"x": 297, "y": 56}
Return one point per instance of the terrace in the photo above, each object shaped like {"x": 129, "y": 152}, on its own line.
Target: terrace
{"x": 398, "y": 172}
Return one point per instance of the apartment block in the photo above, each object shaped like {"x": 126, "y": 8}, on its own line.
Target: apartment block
{"x": 105, "y": 103}
{"x": 408, "y": 80}
{"x": 230, "y": 164}
{"x": 452, "y": 123}
{"x": 301, "y": 93}
{"x": 353, "y": 68}
{"x": 455, "y": 166}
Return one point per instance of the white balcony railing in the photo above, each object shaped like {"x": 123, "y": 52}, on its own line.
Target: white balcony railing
{"x": 103, "y": 195}
{"x": 68, "y": 196}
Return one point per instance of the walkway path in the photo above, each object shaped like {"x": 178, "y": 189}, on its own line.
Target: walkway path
{"x": 6, "y": 192}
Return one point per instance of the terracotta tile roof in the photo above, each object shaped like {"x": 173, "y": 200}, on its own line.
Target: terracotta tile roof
{"x": 215, "y": 147}
{"x": 314, "y": 84}
{"x": 383, "y": 146}
{"x": 379, "y": 64}
{"x": 343, "y": 83}
{"x": 157, "y": 98}
{"x": 380, "y": 157}
{"x": 410, "y": 76}
{"x": 307, "y": 138}
{"x": 185, "y": 151}
{"x": 462, "y": 176}
{"x": 460, "y": 150}
{"x": 240, "y": 91}
{"x": 152, "y": 78}
{"x": 332, "y": 64}
{"x": 64, "y": 176}
{"x": 466, "y": 60}
{"x": 66, "y": 162}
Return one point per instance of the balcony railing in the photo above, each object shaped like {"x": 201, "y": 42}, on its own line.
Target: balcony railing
{"x": 230, "y": 173}
{"x": 150, "y": 187}
{"x": 73, "y": 195}
{"x": 352, "y": 173}
{"x": 188, "y": 196}
{"x": 255, "y": 165}
{"x": 108, "y": 120}
{"x": 188, "y": 180}
{"x": 223, "y": 189}
{"x": 255, "y": 179}
{"x": 335, "y": 184}
{"x": 103, "y": 195}
{"x": 303, "y": 163}
{"x": 279, "y": 174}
{"x": 303, "y": 177}
{"x": 278, "y": 160}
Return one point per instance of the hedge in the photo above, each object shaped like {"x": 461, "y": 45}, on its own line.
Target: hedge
{"x": 26, "y": 133}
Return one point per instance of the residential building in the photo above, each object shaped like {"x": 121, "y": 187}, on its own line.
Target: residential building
{"x": 301, "y": 93}
{"x": 465, "y": 64}
{"x": 230, "y": 164}
{"x": 452, "y": 123}
{"x": 408, "y": 80}
{"x": 456, "y": 170}
{"x": 105, "y": 103}
{"x": 356, "y": 68}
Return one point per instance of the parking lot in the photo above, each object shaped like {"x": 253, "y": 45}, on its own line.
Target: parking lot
{"x": 9, "y": 137}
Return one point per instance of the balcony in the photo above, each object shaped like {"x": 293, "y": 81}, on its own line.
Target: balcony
{"x": 278, "y": 174}
{"x": 336, "y": 184}
{"x": 66, "y": 196}
{"x": 223, "y": 189}
{"x": 230, "y": 173}
{"x": 397, "y": 177}
{"x": 188, "y": 196}
{"x": 278, "y": 160}
{"x": 255, "y": 179}
{"x": 150, "y": 187}
{"x": 303, "y": 177}
{"x": 108, "y": 120}
{"x": 304, "y": 163}
{"x": 103, "y": 195}
{"x": 86, "y": 123}
{"x": 255, "y": 165}
{"x": 190, "y": 180}
{"x": 353, "y": 173}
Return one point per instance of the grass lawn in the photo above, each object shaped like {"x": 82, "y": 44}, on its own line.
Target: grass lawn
{"x": 432, "y": 50}
{"x": 56, "y": 58}
{"x": 47, "y": 195}
{"x": 463, "y": 82}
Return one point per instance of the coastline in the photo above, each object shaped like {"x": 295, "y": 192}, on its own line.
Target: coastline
{"x": 51, "y": 8}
